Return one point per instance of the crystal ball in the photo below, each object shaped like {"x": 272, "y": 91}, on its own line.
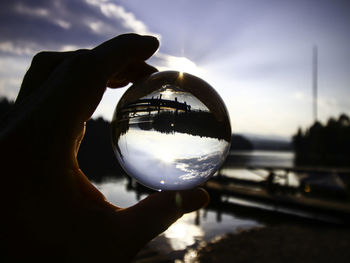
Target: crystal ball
{"x": 171, "y": 131}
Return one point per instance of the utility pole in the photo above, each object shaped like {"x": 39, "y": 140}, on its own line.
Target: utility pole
{"x": 314, "y": 80}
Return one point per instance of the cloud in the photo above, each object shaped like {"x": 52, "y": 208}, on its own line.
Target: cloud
{"x": 11, "y": 73}
{"x": 199, "y": 167}
{"x": 25, "y": 10}
{"x": 258, "y": 59}
{"x": 128, "y": 20}
{"x": 165, "y": 61}
{"x": 27, "y": 27}
{"x": 30, "y": 26}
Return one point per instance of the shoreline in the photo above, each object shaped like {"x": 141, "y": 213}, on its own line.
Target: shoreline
{"x": 270, "y": 244}
{"x": 280, "y": 243}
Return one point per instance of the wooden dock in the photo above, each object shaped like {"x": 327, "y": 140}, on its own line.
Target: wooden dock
{"x": 232, "y": 195}
{"x": 281, "y": 197}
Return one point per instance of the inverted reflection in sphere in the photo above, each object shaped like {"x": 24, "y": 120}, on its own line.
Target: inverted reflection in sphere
{"x": 171, "y": 131}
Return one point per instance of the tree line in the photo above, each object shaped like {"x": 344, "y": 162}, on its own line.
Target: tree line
{"x": 324, "y": 145}
{"x": 96, "y": 157}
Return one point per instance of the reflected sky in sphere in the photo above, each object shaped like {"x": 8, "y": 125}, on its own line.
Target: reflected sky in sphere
{"x": 171, "y": 131}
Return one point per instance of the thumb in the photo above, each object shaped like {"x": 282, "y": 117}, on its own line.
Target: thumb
{"x": 158, "y": 211}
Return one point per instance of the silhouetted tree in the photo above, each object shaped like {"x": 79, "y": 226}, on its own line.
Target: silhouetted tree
{"x": 324, "y": 145}
{"x": 5, "y": 106}
{"x": 96, "y": 156}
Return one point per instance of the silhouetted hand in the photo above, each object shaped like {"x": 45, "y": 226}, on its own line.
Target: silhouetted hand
{"x": 50, "y": 210}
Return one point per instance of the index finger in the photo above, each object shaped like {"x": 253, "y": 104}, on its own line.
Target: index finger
{"x": 81, "y": 81}
{"x": 115, "y": 54}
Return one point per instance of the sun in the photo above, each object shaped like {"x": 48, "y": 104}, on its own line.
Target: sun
{"x": 183, "y": 64}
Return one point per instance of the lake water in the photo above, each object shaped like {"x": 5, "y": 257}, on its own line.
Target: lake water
{"x": 188, "y": 231}
{"x": 194, "y": 228}
{"x": 281, "y": 159}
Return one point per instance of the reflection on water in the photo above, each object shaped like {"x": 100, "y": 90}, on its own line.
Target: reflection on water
{"x": 182, "y": 239}
{"x": 192, "y": 229}
{"x": 115, "y": 191}
{"x": 261, "y": 158}
{"x": 261, "y": 175}
{"x": 189, "y": 231}
{"x": 184, "y": 233}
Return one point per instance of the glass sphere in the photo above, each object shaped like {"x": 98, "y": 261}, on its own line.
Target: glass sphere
{"x": 171, "y": 131}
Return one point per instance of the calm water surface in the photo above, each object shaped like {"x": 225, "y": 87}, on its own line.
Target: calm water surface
{"x": 194, "y": 228}
{"x": 261, "y": 158}
{"x": 189, "y": 231}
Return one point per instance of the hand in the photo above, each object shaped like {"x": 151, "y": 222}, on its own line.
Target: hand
{"x": 50, "y": 210}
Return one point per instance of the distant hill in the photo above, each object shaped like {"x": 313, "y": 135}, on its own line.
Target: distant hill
{"x": 240, "y": 143}
{"x": 268, "y": 143}
{"x": 249, "y": 142}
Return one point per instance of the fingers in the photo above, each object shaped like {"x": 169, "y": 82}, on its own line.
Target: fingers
{"x": 157, "y": 212}
{"x": 65, "y": 88}
{"x": 131, "y": 73}
{"x": 87, "y": 74}
{"x": 43, "y": 64}
{"x": 121, "y": 57}
{"x": 118, "y": 53}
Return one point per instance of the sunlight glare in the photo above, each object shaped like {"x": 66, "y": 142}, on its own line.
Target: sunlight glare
{"x": 183, "y": 64}
{"x": 165, "y": 155}
{"x": 183, "y": 233}
{"x": 168, "y": 92}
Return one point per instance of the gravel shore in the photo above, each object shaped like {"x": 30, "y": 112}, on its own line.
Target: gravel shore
{"x": 282, "y": 243}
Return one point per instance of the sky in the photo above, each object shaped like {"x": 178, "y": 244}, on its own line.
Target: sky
{"x": 257, "y": 54}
